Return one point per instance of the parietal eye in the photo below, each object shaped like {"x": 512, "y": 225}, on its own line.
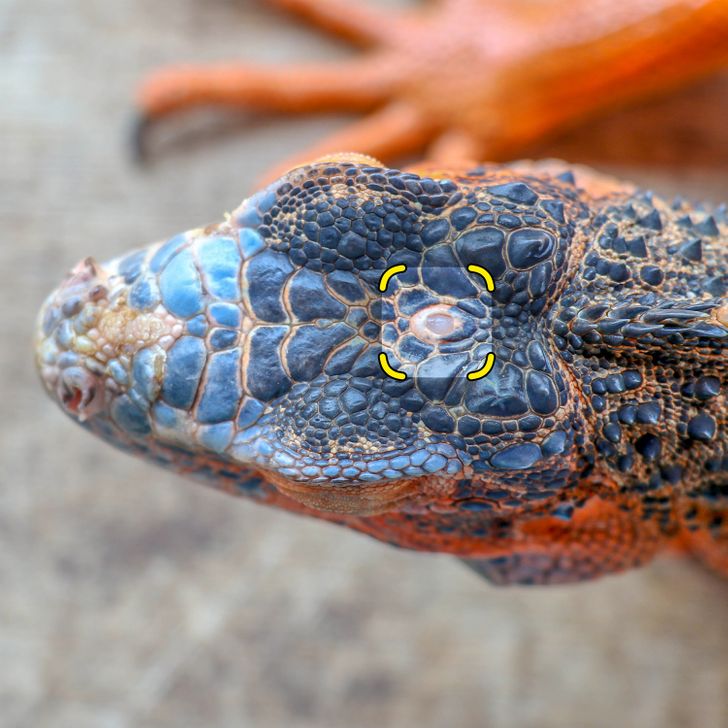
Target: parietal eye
{"x": 441, "y": 323}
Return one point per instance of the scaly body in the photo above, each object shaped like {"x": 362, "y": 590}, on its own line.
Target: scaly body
{"x": 246, "y": 354}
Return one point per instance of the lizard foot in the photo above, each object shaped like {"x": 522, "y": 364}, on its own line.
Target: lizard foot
{"x": 462, "y": 78}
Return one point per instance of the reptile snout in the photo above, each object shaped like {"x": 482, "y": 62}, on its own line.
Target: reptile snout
{"x": 66, "y": 346}
{"x": 87, "y": 337}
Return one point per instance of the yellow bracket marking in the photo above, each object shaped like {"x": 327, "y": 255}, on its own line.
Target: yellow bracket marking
{"x": 489, "y": 284}
{"x": 490, "y": 357}
{"x": 387, "y": 369}
{"x": 401, "y": 268}
{"x": 383, "y": 361}
{"x": 485, "y": 369}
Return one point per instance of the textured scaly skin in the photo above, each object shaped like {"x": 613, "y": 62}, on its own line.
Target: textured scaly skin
{"x": 246, "y": 354}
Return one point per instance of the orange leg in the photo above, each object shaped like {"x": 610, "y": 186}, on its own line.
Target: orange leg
{"x": 396, "y": 130}
{"x": 352, "y": 86}
{"x": 488, "y": 76}
{"x": 357, "y": 23}
{"x": 649, "y": 55}
{"x": 358, "y": 85}
{"x": 455, "y": 146}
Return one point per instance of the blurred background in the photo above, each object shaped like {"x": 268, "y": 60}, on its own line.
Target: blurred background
{"x": 130, "y": 598}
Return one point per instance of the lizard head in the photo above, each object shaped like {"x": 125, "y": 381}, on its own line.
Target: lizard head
{"x": 256, "y": 343}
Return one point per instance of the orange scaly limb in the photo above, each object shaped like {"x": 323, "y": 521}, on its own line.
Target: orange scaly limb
{"x": 478, "y": 79}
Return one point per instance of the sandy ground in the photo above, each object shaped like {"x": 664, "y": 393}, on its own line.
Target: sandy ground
{"x": 132, "y": 599}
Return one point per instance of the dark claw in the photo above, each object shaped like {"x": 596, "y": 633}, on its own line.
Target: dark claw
{"x": 139, "y": 139}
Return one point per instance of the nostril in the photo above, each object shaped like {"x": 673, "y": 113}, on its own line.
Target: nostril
{"x": 71, "y": 399}
{"x": 79, "y": 392}
{"x": 97, "y": 293}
